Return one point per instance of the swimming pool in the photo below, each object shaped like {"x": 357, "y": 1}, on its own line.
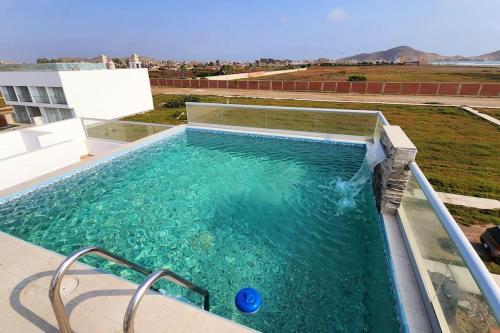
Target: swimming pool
{"x": 227, "y": 211}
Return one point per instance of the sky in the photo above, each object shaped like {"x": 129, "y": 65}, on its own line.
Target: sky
{"x": 244, "y": 29}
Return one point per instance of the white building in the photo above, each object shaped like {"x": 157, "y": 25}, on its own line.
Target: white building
{"x": 44, "y": 93}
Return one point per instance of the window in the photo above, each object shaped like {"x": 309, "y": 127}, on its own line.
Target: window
{"x": 66, "y": 113}
{"x": 34, "y": 111}
{"x": 41, "y": 95}
{"x": 9, "y": 93}
{"x": 54, "y": 114}
{"x": 21, "y": 114}
{"x": 23, "y": 94}
{"x": 57, "y": 95}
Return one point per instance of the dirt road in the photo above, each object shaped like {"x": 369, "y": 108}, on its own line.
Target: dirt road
{"x": 393, "y": 99}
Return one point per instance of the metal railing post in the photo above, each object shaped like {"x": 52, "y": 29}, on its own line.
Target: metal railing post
{"x": 129, "y": 318}
{"x": 55, "y": 283}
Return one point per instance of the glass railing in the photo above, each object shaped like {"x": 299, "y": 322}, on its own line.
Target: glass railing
{"x": 360, "y": 123}
{"x": 24, "y": 98}
{"x": 41, "y": 99}
{"x": 458, "y": 286}
{"x": 58, "y": 100}
{"x": 83, "y": 66}
{"x": 116, "y": 130}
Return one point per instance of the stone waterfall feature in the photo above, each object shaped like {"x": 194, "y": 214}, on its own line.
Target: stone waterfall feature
{"x": 386, "y": 164}
{"x": 390, "y": 177}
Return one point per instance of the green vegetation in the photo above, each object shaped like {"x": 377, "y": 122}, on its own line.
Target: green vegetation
{"x": 180, "y": 101}
{"x": 458, "y": 152}
{"x": 492, "y": 266}
{"x": 356, "y": 78}
{"x": 226, "y": 69}
{"x": 470, "y": 216}
{"x": 395, "y": 73}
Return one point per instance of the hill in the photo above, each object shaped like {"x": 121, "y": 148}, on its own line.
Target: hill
{"x": 405, "y": 53}
{"x": 493, "y": 56}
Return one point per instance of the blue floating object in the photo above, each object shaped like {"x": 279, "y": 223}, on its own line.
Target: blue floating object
{"x": 248, "y": 300}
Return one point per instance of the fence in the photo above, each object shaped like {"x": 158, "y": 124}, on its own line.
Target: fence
{"x": 458, "y": 287}
{"x": 358, "y": 125}
{"x": 375, "y": 88}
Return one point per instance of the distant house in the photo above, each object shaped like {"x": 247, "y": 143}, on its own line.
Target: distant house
{"x": 49, "y": 92}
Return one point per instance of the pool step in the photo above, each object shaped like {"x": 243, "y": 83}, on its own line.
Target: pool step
{"x": 147, "y": 284}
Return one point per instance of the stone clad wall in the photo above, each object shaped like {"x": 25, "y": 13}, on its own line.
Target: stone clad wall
{"x": 390, "y": 177}
{"x": 374, "y": 88}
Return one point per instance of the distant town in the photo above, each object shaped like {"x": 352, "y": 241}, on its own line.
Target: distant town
{"x": 401, "y": 55}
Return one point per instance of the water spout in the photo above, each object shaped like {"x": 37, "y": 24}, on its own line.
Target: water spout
{"x": 349, "y": 189}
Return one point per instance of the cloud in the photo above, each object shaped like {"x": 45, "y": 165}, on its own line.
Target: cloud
{"x": 337, "y": 15}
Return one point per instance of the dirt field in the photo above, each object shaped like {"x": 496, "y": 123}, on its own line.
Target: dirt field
{"x": 397, "y": 73}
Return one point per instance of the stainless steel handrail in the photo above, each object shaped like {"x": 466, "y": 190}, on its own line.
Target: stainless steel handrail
{"x": 479, "y": 272}
{"x": 55, "y": 283}
{"x": 128, "y": 320}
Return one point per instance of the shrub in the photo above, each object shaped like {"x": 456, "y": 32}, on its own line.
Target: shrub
{"x": 356, "y": 78}
{"x": 180, "y": 102}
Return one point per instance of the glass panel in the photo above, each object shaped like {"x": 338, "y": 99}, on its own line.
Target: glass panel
{"x": 21, "y": 114}
{"x": 454, "y": 294}
{"x": 65, "y": 113}
{"x": 52, "y": 67}
{"x": 52, "y": 114}
{"x": 23, "y": 94}
{"x": 120, "y": 131}
{"x": 41, "y": 95}
{"x": 57, "y": 95}
{"x": 34, "y": 111}
{"x": 344, "y": 122}
{"x": 9, "y": 94}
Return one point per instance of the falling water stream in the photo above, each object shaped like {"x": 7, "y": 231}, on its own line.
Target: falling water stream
{"x": 349, "y": 189}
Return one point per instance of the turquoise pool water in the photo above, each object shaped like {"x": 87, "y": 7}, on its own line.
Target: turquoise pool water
{"x": 228, "y": 211}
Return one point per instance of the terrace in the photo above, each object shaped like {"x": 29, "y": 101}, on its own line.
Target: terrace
{"x": 437, "y": 281}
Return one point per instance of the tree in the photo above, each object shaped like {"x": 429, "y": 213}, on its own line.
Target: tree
{"x": 183, "y": 68}
{"x": 117, "y": 61}
{"x": 42, "y": 60}
{"x": 226, "y": 69}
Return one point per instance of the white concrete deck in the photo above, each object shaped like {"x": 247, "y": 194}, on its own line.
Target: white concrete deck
{"x": 96, "y": 305}
{"x": 413, "y": 304}
{"x": 467, "y": 201}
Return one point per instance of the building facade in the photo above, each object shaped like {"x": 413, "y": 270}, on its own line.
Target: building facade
{"x": 45, "y": 93}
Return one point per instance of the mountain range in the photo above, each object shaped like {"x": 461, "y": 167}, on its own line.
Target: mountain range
{"x": 406, "y": 53}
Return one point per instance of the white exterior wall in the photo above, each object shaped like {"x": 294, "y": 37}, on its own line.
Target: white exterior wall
{"x": 11, "y": 143}
{"x": 102, "y": 94}
{"x": 24, "y": 167}
{"x": 32, "y": 152}
{"x": 107, "y": 94}
{"x": 48, "y": 79}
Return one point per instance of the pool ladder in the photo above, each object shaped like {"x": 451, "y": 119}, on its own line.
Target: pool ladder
{"x": 128, "y": 320}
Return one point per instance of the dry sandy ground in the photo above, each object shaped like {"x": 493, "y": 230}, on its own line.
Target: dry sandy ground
{"x": 492, "y": 102}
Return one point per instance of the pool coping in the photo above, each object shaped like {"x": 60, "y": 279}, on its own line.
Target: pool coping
{"x": 31, "y": 285}
{"x": 396, "y": 274}
{"x": 412, "y": 313}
